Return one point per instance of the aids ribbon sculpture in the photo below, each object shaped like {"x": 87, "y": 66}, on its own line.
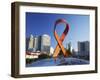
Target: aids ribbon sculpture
{"x": 60, "y": 39}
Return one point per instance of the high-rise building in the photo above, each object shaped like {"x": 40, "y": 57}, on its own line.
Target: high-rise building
{"x": 38, "y": 43}
{"x": 27, "y": 43}
{"x": 35, "y": 43}
{"x": 83, "y": 48}
{"x": 45, "y": 43}
{"x": 31, "y": 42}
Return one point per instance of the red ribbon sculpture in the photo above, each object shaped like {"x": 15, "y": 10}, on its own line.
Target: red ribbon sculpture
{"x": 60, "y": 39}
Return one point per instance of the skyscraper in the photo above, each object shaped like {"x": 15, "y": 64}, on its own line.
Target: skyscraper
{"x": 83, "y": 48}
{"x": 27, "y": 43}
{"x": 35, "y": 43}
{"x": 38, "y": 43}
{"x": 45, "y": 43}
{"x": 31, "y": 42}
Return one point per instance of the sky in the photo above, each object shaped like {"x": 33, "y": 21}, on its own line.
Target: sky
{"x": 43, "y": 23}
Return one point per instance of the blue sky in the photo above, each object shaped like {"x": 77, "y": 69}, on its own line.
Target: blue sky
{"x": 43, "y": 23}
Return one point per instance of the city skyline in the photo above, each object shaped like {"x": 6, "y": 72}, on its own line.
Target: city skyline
{"x": 38, "y": 43}
{"x": 79, "y": 27}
